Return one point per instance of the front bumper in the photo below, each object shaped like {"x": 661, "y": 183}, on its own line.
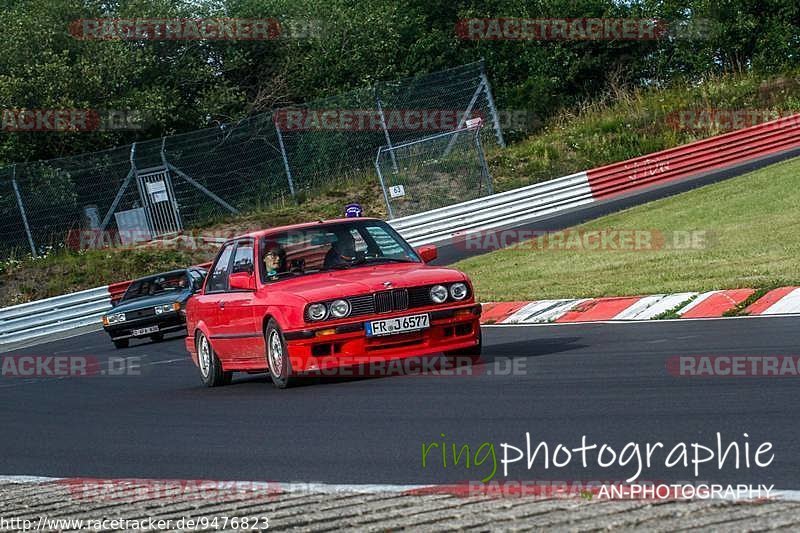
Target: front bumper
{"x": 168, "y": 324}
{"x": 451, "y": 329}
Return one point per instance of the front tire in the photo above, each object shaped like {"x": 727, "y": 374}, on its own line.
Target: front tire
{"x": 280, "y": 367}
{"x": 211, "y": 372}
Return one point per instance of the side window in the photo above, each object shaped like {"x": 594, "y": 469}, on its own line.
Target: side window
{"x": 361, "y": 244}
{"x": 197, "y": 278}
{"x": 218, "y": 277}
{"x": 389, "y": 247}
{"x": 243, "y": 259}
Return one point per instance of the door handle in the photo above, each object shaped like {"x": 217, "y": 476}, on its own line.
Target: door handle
{"x": 221, "y": 304}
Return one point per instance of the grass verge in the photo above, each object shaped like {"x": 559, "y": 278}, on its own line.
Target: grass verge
{"x": 735, "y": 234}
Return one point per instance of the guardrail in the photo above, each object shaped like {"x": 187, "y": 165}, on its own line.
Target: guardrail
{"x": 499, "y": 210}
{"x": 31, "y": 320}
{"x": 507, "y": 209}
{"x": 530, "y": 203}
{"x": 682, "y": 162}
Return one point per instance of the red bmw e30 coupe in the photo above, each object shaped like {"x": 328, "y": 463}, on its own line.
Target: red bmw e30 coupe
{"x": 318, "y": 296}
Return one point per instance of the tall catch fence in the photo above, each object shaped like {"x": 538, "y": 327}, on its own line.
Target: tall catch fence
{"x": 163, "y": 186}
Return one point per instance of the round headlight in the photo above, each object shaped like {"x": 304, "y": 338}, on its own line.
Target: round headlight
{"x": 340, "y": 308}
{"x": 438, "y": 293}
{"x": 317, "y": 311}
{"x": 458, "y": 291}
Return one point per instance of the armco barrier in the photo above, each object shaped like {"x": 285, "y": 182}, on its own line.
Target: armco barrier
{"x": 499, "y": 210}
{"x": 28, "y": 321}
{"x": 699, "y": 157}
{"x": 503, "y": 210}
{"x": 530, "y": 203}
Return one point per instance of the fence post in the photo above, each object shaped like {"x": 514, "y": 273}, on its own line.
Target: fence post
{"x": 379, "y": 105}
{"x": 463, "y": 120}
{"x": 285, "y": 158}
{"x": 192, "y": 182}
{"x": 22, "y": 209}
{"x": 484, "y": 167}
{"x": 121, "y": 192}
{"x": 383, "y": 184}
{"x": 498, "y": 131}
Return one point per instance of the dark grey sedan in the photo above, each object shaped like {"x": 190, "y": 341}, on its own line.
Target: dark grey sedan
{"x": 153, "y": 306}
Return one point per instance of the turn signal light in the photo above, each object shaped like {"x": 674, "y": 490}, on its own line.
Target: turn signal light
{"x": 324, "y": 332}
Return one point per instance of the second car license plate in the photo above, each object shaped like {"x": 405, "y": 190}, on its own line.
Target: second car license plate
{"x": 397, "y": 325}
{"x": 144, "y": 331}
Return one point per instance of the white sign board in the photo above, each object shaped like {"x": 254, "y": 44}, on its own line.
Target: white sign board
{"x": 157, "y": 191}
{"x": 396, "y": 191}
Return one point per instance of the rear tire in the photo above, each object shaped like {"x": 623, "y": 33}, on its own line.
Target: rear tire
{"x": 121, "y": 343}
{"x": 278, "y": 363}
{"x": 211, "y": 372}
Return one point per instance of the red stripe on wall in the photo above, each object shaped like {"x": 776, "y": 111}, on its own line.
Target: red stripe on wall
{"x": 706, "y": 155}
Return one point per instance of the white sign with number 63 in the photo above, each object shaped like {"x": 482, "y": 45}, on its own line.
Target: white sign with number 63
{"x": 396, "y": 191}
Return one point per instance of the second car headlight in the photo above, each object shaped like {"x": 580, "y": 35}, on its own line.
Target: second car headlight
{"x": 340, "y": 308}
{"x": 458, "y": 291}
{"x": 317, "y": 311}
{"x": 438, "y": 293}
{"x": 166, "y": 308}
{"x": 115, "y": 318}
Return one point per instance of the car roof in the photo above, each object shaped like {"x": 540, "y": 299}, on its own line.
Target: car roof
{"x": 278, "y": 229}
{"x": 168, "y": 273}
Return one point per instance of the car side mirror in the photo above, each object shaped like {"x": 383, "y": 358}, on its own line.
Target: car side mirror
{"x": 427, "y": 252}
{"x": 242, "y": 281}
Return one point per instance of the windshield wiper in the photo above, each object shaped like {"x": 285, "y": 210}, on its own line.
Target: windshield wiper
{"x": 387, "y": 259}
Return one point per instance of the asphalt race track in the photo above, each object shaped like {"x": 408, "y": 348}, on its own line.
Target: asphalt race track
{"x": 605, "y": 381}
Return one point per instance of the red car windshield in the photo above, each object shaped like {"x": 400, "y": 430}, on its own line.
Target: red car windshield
{"x": 325, "y": 247}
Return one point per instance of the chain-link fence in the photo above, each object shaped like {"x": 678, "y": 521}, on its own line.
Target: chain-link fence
{"x": 162, "y": 186}
{"x": 434, "y": 171}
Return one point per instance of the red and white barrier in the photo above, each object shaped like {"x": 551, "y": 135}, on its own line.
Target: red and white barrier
{"x": 712, "y": 304}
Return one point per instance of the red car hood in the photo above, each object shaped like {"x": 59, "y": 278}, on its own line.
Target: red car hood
{"x": 365, "y": 279}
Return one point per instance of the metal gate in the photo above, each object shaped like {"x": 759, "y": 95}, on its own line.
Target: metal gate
{"x": 158, "y": 200}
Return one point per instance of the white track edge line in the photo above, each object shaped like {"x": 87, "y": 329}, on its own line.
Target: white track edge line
{"x": 337, "y": 488}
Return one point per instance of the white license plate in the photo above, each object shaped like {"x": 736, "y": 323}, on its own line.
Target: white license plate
{"x": 400, "y": 324}
{"x": 144, "y": 331}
